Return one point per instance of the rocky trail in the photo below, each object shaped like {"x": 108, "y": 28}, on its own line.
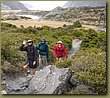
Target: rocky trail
{"x": 49, "y": 80}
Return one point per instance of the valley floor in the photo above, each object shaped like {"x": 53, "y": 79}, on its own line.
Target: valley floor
{"x": 42, "y": 22}
{"x": 37, "y": 23}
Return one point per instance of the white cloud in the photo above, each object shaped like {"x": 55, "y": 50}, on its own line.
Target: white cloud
{"x": 44, "y": 5}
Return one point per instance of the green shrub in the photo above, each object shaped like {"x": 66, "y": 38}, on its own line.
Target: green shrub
{"x": 94, "y": 39}
{"x": 23, "y": 17}
{"x": 13, "y": 18}
{"x": 8, "y": 28}
{"x": 77, "y": 24}
{"x": 7, "y": 25}
{"x": 64, "y": 63}
{"x": 88, "y": 64}
{"x": 89, "y": 67}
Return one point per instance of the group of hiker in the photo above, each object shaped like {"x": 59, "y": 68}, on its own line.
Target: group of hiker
{"x": 38, "y": 55}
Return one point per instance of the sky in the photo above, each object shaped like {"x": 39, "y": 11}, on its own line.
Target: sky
{"x": 44, "y": 5}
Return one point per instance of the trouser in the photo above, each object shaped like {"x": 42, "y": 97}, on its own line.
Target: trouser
{"x": 42, "y": 61}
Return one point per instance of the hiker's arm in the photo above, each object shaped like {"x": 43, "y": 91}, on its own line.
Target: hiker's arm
{"x": 35, "y": 57}
{"x": 65, "y": 52}
{"x": 54, "y": 52}
{"x": 35, "y": 54}
{"x": 23, "y": 47}
{"x": 37, "y": 47}
{"x": 47, "y": 51}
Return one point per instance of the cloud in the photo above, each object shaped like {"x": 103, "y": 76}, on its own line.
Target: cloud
{"x": 44, "y": 5}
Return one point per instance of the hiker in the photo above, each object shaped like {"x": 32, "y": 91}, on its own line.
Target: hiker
{"x": 43, "y": 53}
{"x": 60, "y": 51}
{"x": 32, "y": 56}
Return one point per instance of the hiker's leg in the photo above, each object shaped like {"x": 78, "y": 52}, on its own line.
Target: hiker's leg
{"x": 33, "y": 71}
{"x": 45, "y": 61}
{"x": 26, "y": 65}
{"x": 26, "y": 68}
{"x": 40, "y": 61}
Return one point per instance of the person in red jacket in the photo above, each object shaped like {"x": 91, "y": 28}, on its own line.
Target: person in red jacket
{"x": 60, "y": 51}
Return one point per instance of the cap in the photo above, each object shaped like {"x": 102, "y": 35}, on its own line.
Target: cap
{"x": 59, "y": 42}
{"x": 29, "y": 41}
{"x": 43, "y": 39}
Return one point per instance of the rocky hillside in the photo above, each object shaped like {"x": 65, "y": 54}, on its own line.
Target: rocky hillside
{"x": 84, "y": 3}
{"x": 12, "y": 5}
{"x": 86, "y": 15}
{"x": 5, "y": 7}
{"x": 57, "y": 10}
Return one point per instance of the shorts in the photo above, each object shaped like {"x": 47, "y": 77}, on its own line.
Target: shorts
{"x": 30, "y": 64}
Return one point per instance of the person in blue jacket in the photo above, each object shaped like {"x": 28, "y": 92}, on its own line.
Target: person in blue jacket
{"x": 43, "y": 52}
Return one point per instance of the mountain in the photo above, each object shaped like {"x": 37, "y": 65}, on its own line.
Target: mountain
{"x": 4, "y": 7}
{"x": 86, "y": 15}
{"x": 13, "y": 5}
{"x": 57, "y": 10}
{"x": 84, "y": 3}
{"x": 27, "y": 5}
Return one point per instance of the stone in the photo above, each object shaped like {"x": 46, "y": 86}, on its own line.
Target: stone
{"x": 73, "y": 81}
{"x": 3, "y": 92}
{"x": 50, "y": 80}
{"x": 83, "y": 89}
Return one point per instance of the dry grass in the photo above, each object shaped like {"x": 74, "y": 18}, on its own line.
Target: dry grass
{"x": 37, "y": 23}
{"x": 42, "y": 22}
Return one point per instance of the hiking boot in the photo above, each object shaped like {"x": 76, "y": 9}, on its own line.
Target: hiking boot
{"x": 28, "y": 72}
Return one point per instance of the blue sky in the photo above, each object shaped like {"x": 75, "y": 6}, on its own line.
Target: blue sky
{"x": 44, "y": 5}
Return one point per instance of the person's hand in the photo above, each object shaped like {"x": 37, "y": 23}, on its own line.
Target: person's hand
{"x": 25, "y": 66}
{"x": 24, "y": 42}
{"x": 34, "y": 62}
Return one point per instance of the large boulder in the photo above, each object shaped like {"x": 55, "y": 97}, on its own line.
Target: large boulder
{"x": 50, "y": 80}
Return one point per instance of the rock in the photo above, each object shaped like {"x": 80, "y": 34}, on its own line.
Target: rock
{"x": 3, "y": 92}
{"x": 50, "y": 80}
{"x": 83, "y": 89}
{"x": 3, "y": 84}
{"x": 73, "y": 81}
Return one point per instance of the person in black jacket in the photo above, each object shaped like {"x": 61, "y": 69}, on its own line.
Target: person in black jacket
{"x": 32, "y": 56}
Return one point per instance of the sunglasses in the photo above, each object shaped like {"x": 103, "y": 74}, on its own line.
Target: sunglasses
{"x": 29, "y": 42}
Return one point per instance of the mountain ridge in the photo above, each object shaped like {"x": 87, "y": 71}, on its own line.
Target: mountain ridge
{"x": 84, "y": 3}
{"x": 12, "y": 5}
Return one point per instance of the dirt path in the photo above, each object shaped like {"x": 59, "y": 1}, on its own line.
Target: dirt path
{"x": 37, "y": 23}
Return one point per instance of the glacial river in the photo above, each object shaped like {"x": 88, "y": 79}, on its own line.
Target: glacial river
{"x": 31, "y": 16}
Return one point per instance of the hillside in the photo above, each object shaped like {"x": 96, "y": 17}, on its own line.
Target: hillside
{"x": 95, "y": 16}
{"x": 57, "y": 10}
{"x": 88, "y": 65}
{"x": 13, "y": 5}
{"x": 5, "y": 7}
{"x": 84, "y": 3}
